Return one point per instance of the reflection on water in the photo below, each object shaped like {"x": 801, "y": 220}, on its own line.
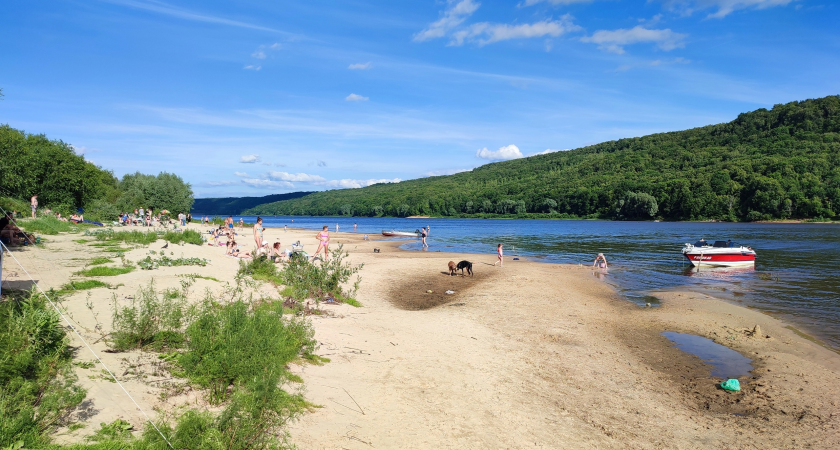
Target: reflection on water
{"x": 794, "y": 274}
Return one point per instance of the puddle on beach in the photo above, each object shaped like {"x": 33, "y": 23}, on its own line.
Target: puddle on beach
{"x": 725, "y": 362}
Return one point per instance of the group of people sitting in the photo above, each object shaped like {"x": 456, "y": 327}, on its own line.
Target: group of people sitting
{"x": 226, "y": 231}
{"x": 11, "y": 235}
{"x": 147, "y": 218}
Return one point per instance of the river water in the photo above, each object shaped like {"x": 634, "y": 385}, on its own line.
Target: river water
{"x": 795, "y": 276}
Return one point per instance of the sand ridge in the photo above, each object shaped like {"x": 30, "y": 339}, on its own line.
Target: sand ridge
{"x": 530, "y": 355}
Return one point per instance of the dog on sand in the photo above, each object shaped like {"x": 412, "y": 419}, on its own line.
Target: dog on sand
{"x": 465, "y": 265}
{"x": 452, "y": 268}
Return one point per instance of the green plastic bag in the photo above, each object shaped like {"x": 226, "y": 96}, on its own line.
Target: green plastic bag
{"x": 731, "y": 384}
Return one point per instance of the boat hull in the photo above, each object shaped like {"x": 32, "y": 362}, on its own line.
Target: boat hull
{"x": 730, "y": 259}
{"x": 398, "y": 234}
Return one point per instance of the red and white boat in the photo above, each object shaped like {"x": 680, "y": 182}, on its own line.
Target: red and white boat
{"x": 721, "y": 253}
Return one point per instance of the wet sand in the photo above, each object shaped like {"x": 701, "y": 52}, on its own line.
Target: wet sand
{"x": 529, "y": 355}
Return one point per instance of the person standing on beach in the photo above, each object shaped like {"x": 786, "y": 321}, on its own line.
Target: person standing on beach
{"x": 423, "y": 236}
{"x": 323, "y": 241}
{"x": 354, "y": 227}
{"x": 336, "y": 228}
{"x": 258, "y": 235}
{"x": 285, "y": 228}
{"x": 241, "y": 223}
{"x": 34, "y": 204}
{"x": 500, "y": 254}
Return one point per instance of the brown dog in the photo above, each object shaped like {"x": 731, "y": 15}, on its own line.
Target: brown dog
{"x": 452, "y": 268}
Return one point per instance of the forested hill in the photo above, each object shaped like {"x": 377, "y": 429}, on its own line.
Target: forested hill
{"x": 781, "y": 163}
{"x": 236, "y": 205}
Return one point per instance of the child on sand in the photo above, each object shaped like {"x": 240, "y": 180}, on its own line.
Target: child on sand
{"x": 603, "y": 263}
{"x": 500, "y": 255}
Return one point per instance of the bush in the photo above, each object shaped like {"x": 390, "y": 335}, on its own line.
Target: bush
{"x": 36, "y": 378}
{"x": 148, "y": 263}
{"x": 47, "y": 225}
{"x": 148, "y": 320}
{"x": 259, "y": 268}
{"x": 309, "y": 280}
{"x": 232, "y": 344}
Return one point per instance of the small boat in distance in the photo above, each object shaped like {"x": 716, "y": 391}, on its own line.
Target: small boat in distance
{"x": 394, "y": 233}
{"x": 721, "y": 253}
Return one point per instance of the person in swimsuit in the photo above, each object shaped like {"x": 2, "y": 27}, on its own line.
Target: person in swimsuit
{"x": 323, "y": 241}
{"x": 33, "y": 202}
{"x": 603, "y": 261}
{"x": 423, "y": 236}
{"x": 500, "y": 255}
{"x": 258, "y": 235}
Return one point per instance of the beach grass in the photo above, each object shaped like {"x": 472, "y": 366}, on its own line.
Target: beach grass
{"x": 47, "y": 225}
{"x": 99, "y": 260}
{"x": 103, "y": 271}
{"x": 186, "y": 236}
{"x": 83, "y": 285}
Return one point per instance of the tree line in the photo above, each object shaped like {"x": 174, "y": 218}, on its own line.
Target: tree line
{"x": 32, "y": 164}
{"x": 766, "y": 164}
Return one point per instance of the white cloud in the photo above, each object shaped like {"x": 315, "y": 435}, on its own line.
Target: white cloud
{"x": 220, "y": 183}
{"x": 258, "y": 182}
{"x": 549, "y": 150}
{"x": 262, "y": 51}
{"x": 437, "y": 173}
{"x": 259, "y": 54}
{"x": 452, "y": 17}
{"x": 82, "y": 150}
{"x": 302, "y": 177}
{"x": 486, "y": 33}
{"x": 252, "y": 67}
{"x": 249, "y": 159}
{"x": 174, "y": 11}
{"x": 240, "y": 174}
{"x": 348, "y": 183}
{"x": 724, "y": 7}
{"x": 504, "y": 153}
{"x": 359, "y": 66}
{"x": 356, "y": 98}
{"x": 614, "y": 41}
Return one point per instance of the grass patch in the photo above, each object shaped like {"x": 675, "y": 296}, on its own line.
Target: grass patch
{"x": 164, "y": 261}
{"x": 108, "y": 235}
{"x": 82, "y": 285}
{"x": 102, "y": 271}
{"x": 99, "y": 260}
{"x": 149, "y": 320}
{"x": 186, "y": 236}
{"x": 47, "y": 225}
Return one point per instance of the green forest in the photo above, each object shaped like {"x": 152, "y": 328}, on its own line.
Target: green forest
{"x": 235, "y": 205}
{"x": 782, "y": 163}
{"x": 32, "y": 164}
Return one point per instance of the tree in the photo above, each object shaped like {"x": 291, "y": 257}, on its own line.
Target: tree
{"x": 636, "y": 206}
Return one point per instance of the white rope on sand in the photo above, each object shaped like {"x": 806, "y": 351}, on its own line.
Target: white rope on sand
{"x": 79, "y": 335}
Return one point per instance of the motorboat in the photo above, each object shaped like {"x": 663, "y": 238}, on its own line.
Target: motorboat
{"x": 719, "y": 253}
{"x": 394, "y": 233}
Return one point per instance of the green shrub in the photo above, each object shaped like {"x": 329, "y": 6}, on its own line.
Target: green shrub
{"x": 128, "y": 237}
{"x": 103, "y": 271}
{"x": 232, "y": 344}
{"x": 149, "y": 320}
{"x": 259, "y": 268}
{"x": 310, "y": 280}
{"x": 47, "y": 225}
{"x": 37, "y": 385}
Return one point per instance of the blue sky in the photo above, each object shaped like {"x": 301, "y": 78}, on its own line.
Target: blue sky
{"x": 260, "y": 97}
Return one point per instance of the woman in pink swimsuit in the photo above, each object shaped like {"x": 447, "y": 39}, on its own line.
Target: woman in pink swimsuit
{"x": 323, "y": 241}
{"x": 500, "y": 255}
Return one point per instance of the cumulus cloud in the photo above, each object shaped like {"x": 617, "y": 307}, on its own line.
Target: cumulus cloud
{"x": 359, "y": 66}
{"x": 249, "y": 159}
{"x": 724, "y": 7}
{"x": 263, "y": 183}
{"x": 220, "y": 183}
{"x": 356, "y": 98}
{"x": 240, "y": 174}
{"x": 302, "y": 177}
{"x": 615, "y": 40}
{"x": 504, "y": 153}
{"x": 486, "y": 33}
{"x": 348, "y": 183}
{"x": 454, "y": 15}
{"x": 437, "y": 173}
{"x": 252, "y": 67}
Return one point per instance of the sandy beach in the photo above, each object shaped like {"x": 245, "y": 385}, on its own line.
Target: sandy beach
{"x": 528, "y": 355}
